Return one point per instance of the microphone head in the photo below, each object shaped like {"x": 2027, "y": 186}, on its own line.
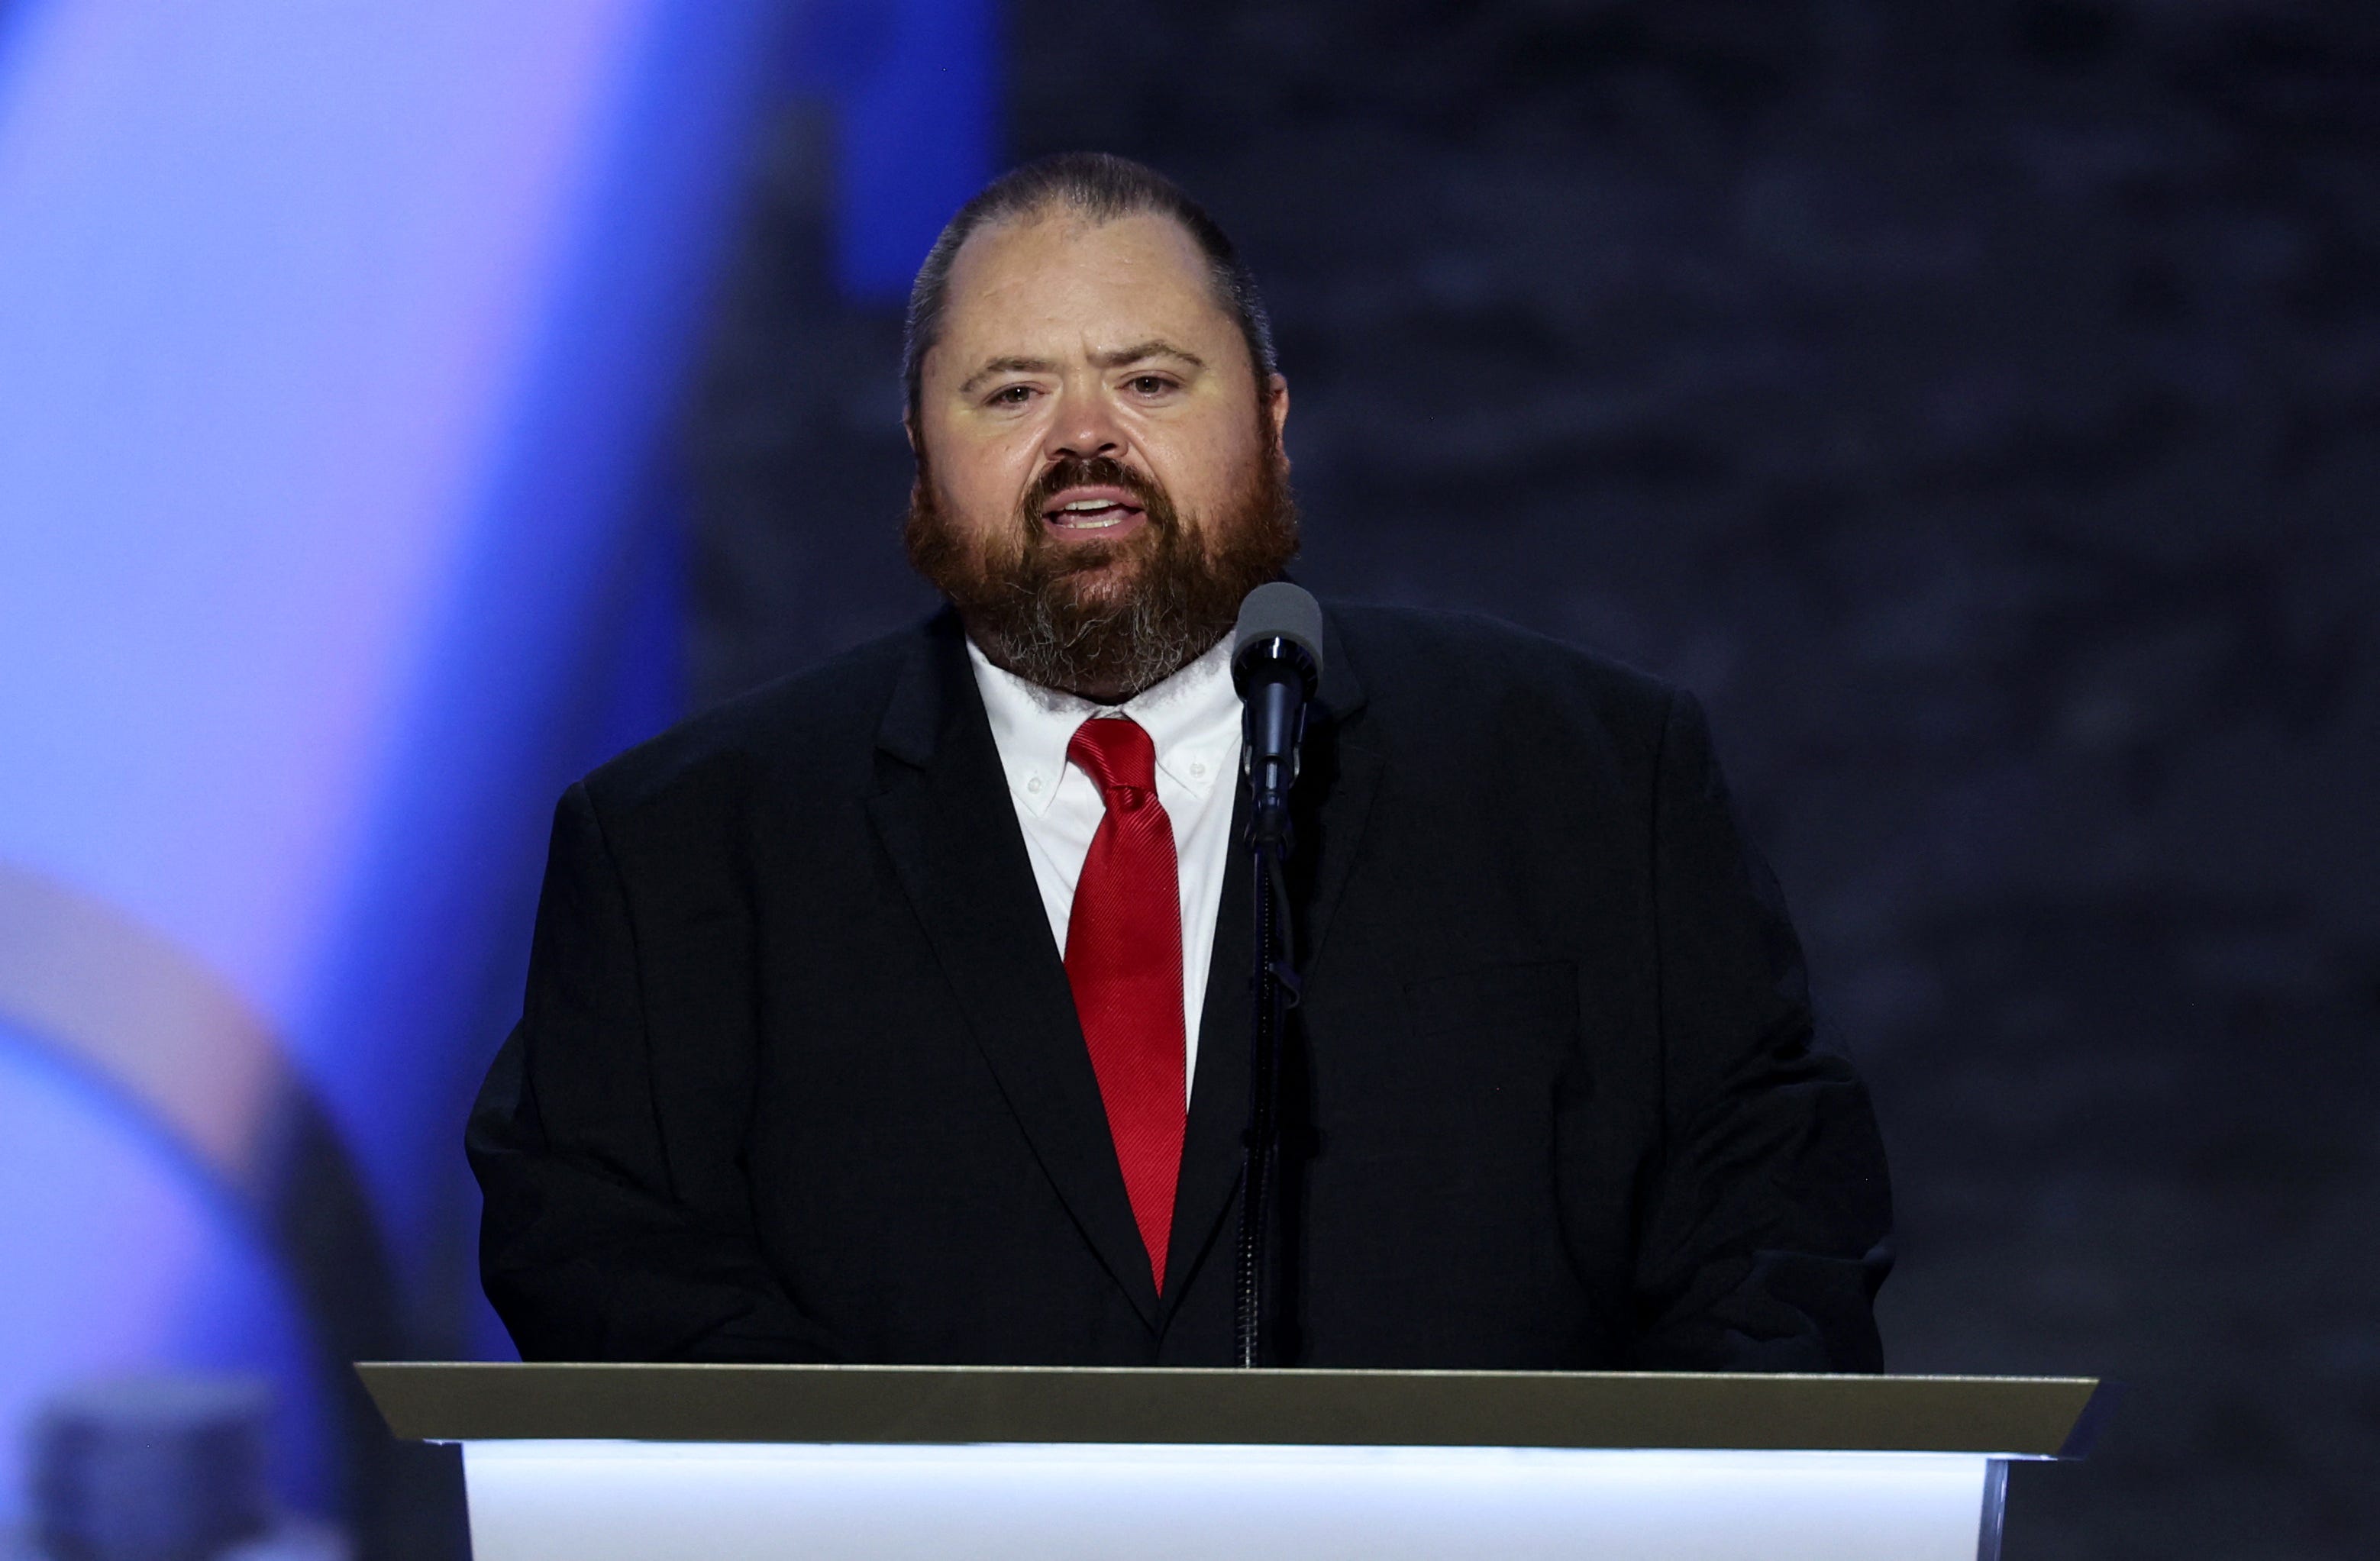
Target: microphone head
{"x": 1278, "y": 611}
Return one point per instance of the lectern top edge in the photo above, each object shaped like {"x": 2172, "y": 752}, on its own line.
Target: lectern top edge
{"x": 1297, "y": 1374}
{"x": 2000, "y": 1417}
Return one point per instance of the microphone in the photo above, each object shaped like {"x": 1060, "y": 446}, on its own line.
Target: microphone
{"x": 1275, "y": 665}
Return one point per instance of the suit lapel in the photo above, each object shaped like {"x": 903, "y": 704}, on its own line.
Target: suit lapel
{"x": 946, "y": 822}
{"x": 1219, "y": 1092}
{"x": 1331, "y": 803}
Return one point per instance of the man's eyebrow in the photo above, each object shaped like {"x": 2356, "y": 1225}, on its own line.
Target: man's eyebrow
{"x": 1007, "y": 366}
{"x": 1139, "y": 352}
{"x": 1154, "y": 348}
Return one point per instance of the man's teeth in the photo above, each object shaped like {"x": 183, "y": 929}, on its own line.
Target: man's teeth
{"x": 1089, "y": 514}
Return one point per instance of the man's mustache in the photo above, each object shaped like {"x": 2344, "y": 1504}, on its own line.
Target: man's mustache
{"x": 1096, "y": 471}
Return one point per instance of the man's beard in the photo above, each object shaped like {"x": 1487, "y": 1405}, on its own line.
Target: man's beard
{"x": 1032, "y": 602}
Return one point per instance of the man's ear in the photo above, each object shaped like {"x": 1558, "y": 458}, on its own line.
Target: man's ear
{"x": 1277, "y": 408}
{"x": 909, "y": 430}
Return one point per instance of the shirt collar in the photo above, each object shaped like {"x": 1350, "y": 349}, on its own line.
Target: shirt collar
{"x": 1193, "y": 718}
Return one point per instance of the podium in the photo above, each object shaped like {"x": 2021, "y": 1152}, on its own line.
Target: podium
{"x": 835, "y": 1463}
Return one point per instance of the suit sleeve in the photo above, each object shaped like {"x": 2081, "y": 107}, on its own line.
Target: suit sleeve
{"x": 1764, "y": 1227}
{"x": 588, "y": 1248}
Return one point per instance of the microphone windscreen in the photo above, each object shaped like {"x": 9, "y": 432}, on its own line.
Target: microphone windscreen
{"x": 1280, "y": 610}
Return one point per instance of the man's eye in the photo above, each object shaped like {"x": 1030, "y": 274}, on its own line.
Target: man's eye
{"x": 1012, "y": 395}
{"x": 1152, "y": 384}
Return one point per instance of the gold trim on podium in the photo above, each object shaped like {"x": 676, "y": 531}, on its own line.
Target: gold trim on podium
{"x": 2001, "y": 1417}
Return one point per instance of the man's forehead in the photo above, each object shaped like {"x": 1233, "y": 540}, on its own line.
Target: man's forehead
{"x": 1058, "y": 282}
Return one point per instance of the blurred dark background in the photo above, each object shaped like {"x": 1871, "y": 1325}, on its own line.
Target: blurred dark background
{"x": 1979, "y": 406}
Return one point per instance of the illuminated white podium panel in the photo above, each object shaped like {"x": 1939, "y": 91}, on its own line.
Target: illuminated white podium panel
{"x": 836, "y": 1463}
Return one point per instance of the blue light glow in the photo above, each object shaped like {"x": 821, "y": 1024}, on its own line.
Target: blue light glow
{"x": 338, "y": 343}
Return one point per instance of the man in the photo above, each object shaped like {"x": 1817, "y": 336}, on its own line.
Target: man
{"x": 898, "y": 1011}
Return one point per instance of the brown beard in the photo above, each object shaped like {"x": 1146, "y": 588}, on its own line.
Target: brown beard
{"x": 1032, "y": 603}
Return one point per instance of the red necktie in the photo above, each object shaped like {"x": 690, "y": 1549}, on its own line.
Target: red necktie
{"x": 1123, "y": 959}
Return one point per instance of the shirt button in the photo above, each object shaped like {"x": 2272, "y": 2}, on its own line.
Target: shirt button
{"x": 1197, "y": 767}
{"x": 1033, "y": 783}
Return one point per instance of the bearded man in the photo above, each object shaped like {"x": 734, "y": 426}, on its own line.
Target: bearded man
{"x": 898, "y": 1011}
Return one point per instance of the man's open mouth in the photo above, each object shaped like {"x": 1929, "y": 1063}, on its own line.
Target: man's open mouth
{"x": 1092, "y": 510}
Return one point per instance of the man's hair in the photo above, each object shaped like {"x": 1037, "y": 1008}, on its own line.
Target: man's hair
{"x": 1100, "y": 187}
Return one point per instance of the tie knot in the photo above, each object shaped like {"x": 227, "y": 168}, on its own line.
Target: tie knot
{"x": 1115, "y": 752}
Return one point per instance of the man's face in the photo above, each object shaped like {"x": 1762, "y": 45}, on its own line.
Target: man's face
{"x": 1100, "y": 471}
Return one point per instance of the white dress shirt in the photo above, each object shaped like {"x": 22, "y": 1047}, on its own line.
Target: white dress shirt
{"x": 1194, "y": 720}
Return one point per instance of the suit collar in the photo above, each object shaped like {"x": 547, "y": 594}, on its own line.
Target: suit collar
{"x": 932, "y": 693}
{"x": 1339, "y": 772}
{"x": 1341, "y": 694}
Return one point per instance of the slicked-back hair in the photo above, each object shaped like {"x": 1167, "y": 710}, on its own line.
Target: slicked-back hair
{"x": 1100, "y": 187}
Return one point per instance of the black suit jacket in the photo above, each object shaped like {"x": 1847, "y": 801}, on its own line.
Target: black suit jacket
{"x": 798, "y": 1076}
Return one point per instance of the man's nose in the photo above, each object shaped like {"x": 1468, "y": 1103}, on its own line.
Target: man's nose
{"x": 1085, "y": 426}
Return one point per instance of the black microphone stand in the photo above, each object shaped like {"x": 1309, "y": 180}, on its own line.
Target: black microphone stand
{"x": 1276, "y": 993}
{"x": 1276, "y": 704}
